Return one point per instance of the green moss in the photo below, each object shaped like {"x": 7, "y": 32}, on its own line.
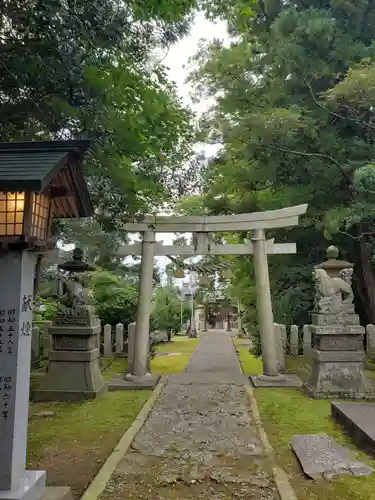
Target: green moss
{"x": 73, "y": 444}
{"x": 169, "y": 364}
{"x": 249, "y": 364}
{"x": 179, "y": 344}
{"x": 170, "y": 358}
{"x": 117, "y": 365}
{"x": 182, "y": 349}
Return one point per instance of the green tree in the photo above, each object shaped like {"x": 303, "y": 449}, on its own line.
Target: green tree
{"x": 115, "y": 299}
{"x": 84, "y": 69}
{"x": 166, "y": 315}
{"x": 295, "y": 116}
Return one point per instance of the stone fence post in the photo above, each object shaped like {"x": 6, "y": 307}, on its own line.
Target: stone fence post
{"x": 47, "y": 339}
{"x": 35, "y": 345}
{"x": 370, "y": 342}
{"x": 280, "y": 353}
{"x": 119, "y": 338}
{"x": 131, "y": 344}
{"x": 107, "y": 341}
{"x": 294, "y": 340}
{"x": 283, "y": 338}
{"x": 306, "y": 340}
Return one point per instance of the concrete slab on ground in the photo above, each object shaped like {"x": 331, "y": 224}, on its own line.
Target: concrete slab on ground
{"x": 286, "y": 380}
{"x": 118, "y": 383}
{"x": 358, "y": 419}
{"x": 320, "y": 456}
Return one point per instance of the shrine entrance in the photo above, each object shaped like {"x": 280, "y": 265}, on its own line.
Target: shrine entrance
{"x": 202, "y": 228}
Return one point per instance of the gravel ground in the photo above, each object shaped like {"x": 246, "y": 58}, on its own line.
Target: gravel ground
{"x": 200, "y": 441}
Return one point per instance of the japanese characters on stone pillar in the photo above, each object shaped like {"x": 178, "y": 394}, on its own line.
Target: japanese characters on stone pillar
{"x": 16, "y": 302}
{"x": 29, "y": 199}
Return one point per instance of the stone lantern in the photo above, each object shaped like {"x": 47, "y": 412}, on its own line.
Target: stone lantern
{"x": 73, "y": 372}
{"x": 38, "y": 181}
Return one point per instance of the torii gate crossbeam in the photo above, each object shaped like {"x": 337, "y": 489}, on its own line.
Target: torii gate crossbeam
{"x": 259, "y": 247}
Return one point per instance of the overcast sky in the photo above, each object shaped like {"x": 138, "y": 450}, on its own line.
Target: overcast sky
{"x": 176, "y": 61}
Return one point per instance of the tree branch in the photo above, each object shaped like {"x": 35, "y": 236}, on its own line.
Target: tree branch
{"x": 337, "y": 115}
{"x": 310, "y": 155}
{"x": 365, "y": 233}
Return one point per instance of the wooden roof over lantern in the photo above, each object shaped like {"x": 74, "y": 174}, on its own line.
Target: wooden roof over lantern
{"x": 51, "y": 167}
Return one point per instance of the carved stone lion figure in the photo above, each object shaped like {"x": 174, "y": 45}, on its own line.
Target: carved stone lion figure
{"x": 73, "y": 293}
{"x": 333, "y": 295}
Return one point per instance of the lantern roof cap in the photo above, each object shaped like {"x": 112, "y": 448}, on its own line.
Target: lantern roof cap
{"x": 33, "y": 166}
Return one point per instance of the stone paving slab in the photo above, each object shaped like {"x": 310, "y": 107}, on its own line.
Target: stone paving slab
{"x": 118, "y": 383}
{"x": 358, "y": 419}
{"x": 286, "y": 380}
{"x": 200, "y": 441}
{"x": 208, "y": 378}
{"x": 320, "y": 456}
{"x": 215, "y": 354}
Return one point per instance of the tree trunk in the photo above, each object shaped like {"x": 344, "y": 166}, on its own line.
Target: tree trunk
{"x": 365, "y": 276}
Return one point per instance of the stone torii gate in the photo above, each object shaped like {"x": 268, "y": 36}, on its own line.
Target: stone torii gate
{"x": 202, "y": 228}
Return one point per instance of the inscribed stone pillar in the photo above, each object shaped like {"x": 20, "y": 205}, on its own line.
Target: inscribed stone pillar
{"x": 107, "y": 334}
{"x": 119, "y": 338}
{"x": 370, "y": 342}
{"x": 294, "y": 340}
{"x": 16, "y": 302}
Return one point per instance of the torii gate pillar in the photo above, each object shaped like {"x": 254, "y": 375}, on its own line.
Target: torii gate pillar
{"x": 256, "y": 223}
{"x": 264, "y": 303}
{"x": 141, "y": 377}
{"x": 270, "y": 376}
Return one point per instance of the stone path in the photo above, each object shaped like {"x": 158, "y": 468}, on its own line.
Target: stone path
{"x": 200, "y": 441}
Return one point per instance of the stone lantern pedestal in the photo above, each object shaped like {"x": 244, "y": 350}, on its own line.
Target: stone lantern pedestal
{"x": 337, "y": 356}
{"x": 73, "y": 372}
